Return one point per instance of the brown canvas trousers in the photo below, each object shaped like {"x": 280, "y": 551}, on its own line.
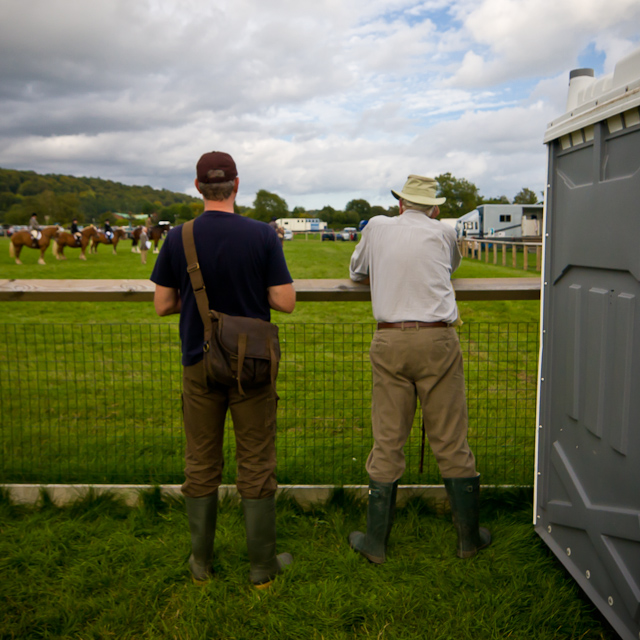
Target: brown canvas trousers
{"x": 205, "y": 406}
{"x": 424, "y": 363}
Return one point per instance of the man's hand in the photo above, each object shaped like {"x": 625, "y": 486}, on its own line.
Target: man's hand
{"x": 166, "y": 300}
{"x": 282, "y": 298}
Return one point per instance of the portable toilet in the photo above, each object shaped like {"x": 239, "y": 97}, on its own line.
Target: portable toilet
{"x": 587, "y": 486}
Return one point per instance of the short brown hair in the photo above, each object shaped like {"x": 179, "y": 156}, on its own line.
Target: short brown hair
{"x": 218, "y": 191}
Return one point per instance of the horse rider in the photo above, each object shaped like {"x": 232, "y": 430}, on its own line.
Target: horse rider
{"x": 108, "y": 231}
{"x": 75, "y": 231}
{"x": 34, "y": 229}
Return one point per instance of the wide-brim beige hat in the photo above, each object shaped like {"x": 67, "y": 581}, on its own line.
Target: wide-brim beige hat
{"x": 420, "y": 190}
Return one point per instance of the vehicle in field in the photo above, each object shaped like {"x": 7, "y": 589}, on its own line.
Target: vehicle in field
{"x": 348, "y": 233}
{"x": 328, "y": 234}
{"x": 288, "y": 234}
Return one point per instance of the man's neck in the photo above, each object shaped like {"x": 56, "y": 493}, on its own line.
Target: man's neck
{"x": 219, "y": 205}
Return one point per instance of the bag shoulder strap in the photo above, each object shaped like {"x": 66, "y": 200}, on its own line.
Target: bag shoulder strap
{"x": 195, "y": 275}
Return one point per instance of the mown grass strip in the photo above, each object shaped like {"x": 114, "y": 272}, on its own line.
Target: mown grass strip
{"x": 97, "y": 569}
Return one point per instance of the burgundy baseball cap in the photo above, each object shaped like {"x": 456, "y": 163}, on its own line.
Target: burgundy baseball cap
{"x": 216, "y": 166}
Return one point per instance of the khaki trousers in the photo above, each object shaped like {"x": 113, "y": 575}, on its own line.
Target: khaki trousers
{"x": 205, "y": 407}
{"x": 424, "y": 363}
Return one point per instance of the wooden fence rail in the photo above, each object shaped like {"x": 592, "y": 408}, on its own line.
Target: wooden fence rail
{"x": 306, "y": 290}
{"x": 476, "y": 248}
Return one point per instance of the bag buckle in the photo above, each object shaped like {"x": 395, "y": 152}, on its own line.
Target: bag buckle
{"x": 205, "y": 347}
{"x": 193, "y": 267}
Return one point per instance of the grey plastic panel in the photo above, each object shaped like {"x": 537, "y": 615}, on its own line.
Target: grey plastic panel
{"x": 588, "y": 485}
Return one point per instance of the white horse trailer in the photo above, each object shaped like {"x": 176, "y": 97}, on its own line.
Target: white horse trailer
{"x": 501, "y": 221}
{"x": 302, "y": 224}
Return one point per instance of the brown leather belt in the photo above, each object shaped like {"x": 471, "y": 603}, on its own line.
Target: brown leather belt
{"x": 410, "y": 325}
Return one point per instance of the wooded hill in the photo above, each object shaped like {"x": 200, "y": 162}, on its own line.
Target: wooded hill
{"x": 59, "y": 198}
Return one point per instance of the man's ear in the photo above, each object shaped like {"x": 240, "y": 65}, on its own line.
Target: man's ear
{"x": 197, "y": 185}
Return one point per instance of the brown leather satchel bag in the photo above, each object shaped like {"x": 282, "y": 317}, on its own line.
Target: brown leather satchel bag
{"x": 237, "y": 350}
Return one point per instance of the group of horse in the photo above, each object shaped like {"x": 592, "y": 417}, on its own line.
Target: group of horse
{"x": 90, "y": 236}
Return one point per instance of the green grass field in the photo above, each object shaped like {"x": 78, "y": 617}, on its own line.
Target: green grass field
{"x": 94, "y": 396}
{"x": 110, "y": 377}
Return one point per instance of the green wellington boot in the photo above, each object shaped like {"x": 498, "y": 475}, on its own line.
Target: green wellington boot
{"x": 260, "y": 525}
{"x": 380, "y": 514}
{"x": 464, "y": 498}
{"x": 202, "y": 514}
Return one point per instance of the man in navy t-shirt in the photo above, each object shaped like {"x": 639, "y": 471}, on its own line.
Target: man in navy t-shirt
{"x": 245, "y": 274}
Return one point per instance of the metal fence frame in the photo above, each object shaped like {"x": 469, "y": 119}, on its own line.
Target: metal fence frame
{"x": 100, "y": 403}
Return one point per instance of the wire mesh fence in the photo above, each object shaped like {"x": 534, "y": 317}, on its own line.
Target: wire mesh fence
{"x": 101, "y": 403}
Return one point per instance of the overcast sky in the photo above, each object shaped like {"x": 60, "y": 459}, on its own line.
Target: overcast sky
{"x": 319, "y": 101}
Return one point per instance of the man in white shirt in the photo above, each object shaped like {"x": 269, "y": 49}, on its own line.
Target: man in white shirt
{"x": 415, "y": 353}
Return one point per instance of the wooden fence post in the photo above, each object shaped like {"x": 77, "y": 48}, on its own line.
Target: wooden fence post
{"x": 479, "y": 250}
{"x": 525, "y": 255}
{"x": 486, "y": 252}
{"x": 514, "y": 248}
{"x": 538, "y": 258}
{"x": 495, "y": 253}
{"x": 504, "y": 255}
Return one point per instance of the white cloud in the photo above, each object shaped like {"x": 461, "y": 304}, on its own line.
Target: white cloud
{"x": 320, "y": 102}
{"x": 532, "y": 38}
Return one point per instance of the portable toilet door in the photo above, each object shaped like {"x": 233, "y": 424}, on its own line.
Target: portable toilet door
{"x": 587, "y": 490}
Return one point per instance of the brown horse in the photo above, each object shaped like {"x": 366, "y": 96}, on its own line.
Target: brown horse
{"x": 25, "y": 239}
{"x": 66, "y": 239}
{"x": 155, "y": 234}
{"x": 118, "y": 234}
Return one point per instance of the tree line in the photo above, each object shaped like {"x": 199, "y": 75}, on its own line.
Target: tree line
{"x": 59, "y": 198}
{"x": 462, "y": 196}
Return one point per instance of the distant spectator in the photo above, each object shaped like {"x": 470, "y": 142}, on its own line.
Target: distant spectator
{"x": 108, "y": 231}
{"x": 144, "y": 245}
{"x": 278, "y": 229}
